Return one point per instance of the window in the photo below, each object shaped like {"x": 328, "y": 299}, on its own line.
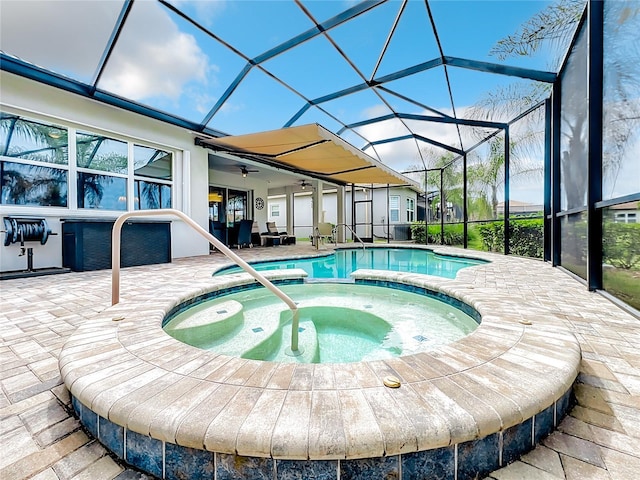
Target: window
{"x": 626, "y": 217}
{"x": 152, "y": 178}
{"x": 151, "y": 181}
{"x": 35, "y": 168}
{"x": 34, "y": 162}
{"x": 102, "y": 172}
{"x": 410, "y": 209}
{"x": 275, "y": 210}
{"x": 394, "y": 208}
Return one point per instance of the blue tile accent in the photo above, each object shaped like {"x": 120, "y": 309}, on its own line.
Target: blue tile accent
{"x": 145, "y": 453}
{"x": 478, "y": 457}
{"x": 77, "y": 406}
{"x": 219, "y": 293}
{"x": 443, "y": 297}
{"x": 235, "y": 467}
{"x": 368, "y": 468}
{"x": 112, "y": 436}
{"x": 516, "y": 441}
{"x": 563, "y": 404}
{"x": 307, "y": 469}
{"x": 436, "y": 464}
{"x": 544, "y": 423}
{"x": 184, "y": 462}
{"x": 89, "y": 420}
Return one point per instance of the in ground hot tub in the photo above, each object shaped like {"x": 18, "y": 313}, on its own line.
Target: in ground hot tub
{"x": 338, "y": 322}
{"x": 461, "y": 410}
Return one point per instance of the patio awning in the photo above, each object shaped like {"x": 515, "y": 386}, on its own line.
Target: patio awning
{"x": 314, "y": 150}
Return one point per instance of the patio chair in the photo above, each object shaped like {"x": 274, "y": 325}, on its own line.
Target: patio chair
{"x": 256, "y": 238}
{"x": 325, "y": 232}
{"x": 272, "y": 236}
{"x": 244, "y": 234}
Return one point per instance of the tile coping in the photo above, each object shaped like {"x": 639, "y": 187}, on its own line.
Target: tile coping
{"x": 121, "y": 365}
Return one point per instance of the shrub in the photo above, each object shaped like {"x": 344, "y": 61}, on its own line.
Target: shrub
{"x": 453, "y": 233}
{"x": 621, "y": 245}
{"x": 525, "y": 237}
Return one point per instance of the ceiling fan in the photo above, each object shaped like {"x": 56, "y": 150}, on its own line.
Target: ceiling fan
{"x": 245, "y": 171}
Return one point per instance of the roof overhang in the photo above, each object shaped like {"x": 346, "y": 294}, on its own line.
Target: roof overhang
{"x": 314, "y": 150}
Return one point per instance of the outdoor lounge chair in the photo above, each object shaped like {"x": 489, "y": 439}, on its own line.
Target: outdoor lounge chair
{"x": 273, "y": 237}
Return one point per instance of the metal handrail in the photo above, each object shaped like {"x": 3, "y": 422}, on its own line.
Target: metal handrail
{"x": 335, "y": 230}
{"x": 115, "y": 263}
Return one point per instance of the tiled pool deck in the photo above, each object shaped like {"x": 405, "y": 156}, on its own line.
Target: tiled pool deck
{"x": 42, "y": 439}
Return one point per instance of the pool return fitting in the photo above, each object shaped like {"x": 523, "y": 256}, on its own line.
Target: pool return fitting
{"x": 292, "y": 351}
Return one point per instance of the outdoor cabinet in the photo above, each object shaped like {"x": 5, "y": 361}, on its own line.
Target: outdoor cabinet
{"x": 86, "y": 243}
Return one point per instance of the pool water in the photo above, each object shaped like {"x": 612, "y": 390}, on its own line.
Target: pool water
{"x": 342, "y": 263}
{"x": 338, "y": 323}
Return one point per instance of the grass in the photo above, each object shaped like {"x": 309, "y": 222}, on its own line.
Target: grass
{"x": 623, "y": 284}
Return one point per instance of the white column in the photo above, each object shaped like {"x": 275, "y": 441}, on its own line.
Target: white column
{"x": 341, "y": 213}
{"x": 316, "y": 202}
{"x": 290, "y": 213}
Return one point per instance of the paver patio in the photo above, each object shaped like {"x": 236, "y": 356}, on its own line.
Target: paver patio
{"x": 42, "y": 439}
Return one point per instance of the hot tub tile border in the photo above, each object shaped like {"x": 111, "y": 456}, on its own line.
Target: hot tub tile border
{"x": 462, "y": 461}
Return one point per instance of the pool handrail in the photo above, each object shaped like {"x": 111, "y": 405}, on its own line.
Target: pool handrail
{"x": 335, "y": 231}
{"x": 115, "y": 262}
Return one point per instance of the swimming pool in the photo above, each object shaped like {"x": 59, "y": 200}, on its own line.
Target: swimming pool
{"x": 338, "y": 323}
{"x": 343, "y": 262}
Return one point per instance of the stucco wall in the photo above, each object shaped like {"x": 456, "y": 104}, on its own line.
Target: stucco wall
{"x": 41, "y": 102}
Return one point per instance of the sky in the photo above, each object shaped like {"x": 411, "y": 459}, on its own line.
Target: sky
{"x": 162, "y": 61}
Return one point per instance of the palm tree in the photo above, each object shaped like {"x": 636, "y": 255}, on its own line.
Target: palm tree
{"x": 33, "y": 184}
{"x": 555, "y": 26}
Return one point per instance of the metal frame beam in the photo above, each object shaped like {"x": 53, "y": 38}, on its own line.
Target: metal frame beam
{"x": 115, "y": 34}
{"x": 547, "y": 221}
{"x": 487, "y": 67}
{"x": 430, "y": 141}
{"x": 427, "y": 118}
{"x": 595, "y": 74}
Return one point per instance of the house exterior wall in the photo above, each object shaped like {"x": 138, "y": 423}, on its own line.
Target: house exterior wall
{"x": 47, "y": 104}
{"x": 303, "y": 212}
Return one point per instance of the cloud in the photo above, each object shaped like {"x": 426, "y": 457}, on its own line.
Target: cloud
{"x": 207, "y": 12}
{"x": 68, "y": 37}
{"x": 153, "y": 58}
{"x": 404, "y": 154}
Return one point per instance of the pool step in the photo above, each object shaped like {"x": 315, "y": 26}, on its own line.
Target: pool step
{"x": 211, "y": 316}
{"x": 204, "y": 326}
{"x": 277, "y": 347}
{"x": 254, "y": 332}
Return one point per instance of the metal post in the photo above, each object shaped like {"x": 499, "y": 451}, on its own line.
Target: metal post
{"x": 506, "y": 190}
{"x": 465, "y": 211}
{"x": 547, "y": 219}
{"x": 387, "y": 215}
{"x": 442, "y": 206}
{"x": 556, "y": 102}
{"x": 594, "y": 187}
{"x": 427, "y": 210}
